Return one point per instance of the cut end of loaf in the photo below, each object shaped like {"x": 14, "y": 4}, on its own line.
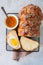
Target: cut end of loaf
{"x": 28, "y": 44}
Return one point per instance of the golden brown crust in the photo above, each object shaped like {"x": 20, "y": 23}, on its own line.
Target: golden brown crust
{"x": 30, "y": 19}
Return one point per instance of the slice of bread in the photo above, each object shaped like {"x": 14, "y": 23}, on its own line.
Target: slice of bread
{"x": 14, "y": 34}
{"x": 28, "y": 44}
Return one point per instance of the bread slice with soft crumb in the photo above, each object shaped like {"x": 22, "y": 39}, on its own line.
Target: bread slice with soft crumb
{"x": 13, "y": 34}
{"x": 28, "y": 44}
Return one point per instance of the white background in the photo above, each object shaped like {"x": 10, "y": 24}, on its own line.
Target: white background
{"x": 14, "y": 6}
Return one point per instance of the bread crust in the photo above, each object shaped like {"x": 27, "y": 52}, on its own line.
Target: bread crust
{"x": 31, "y": 16}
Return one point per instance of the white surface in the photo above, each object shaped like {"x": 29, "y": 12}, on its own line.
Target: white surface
{"x": 35, "y": 58}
